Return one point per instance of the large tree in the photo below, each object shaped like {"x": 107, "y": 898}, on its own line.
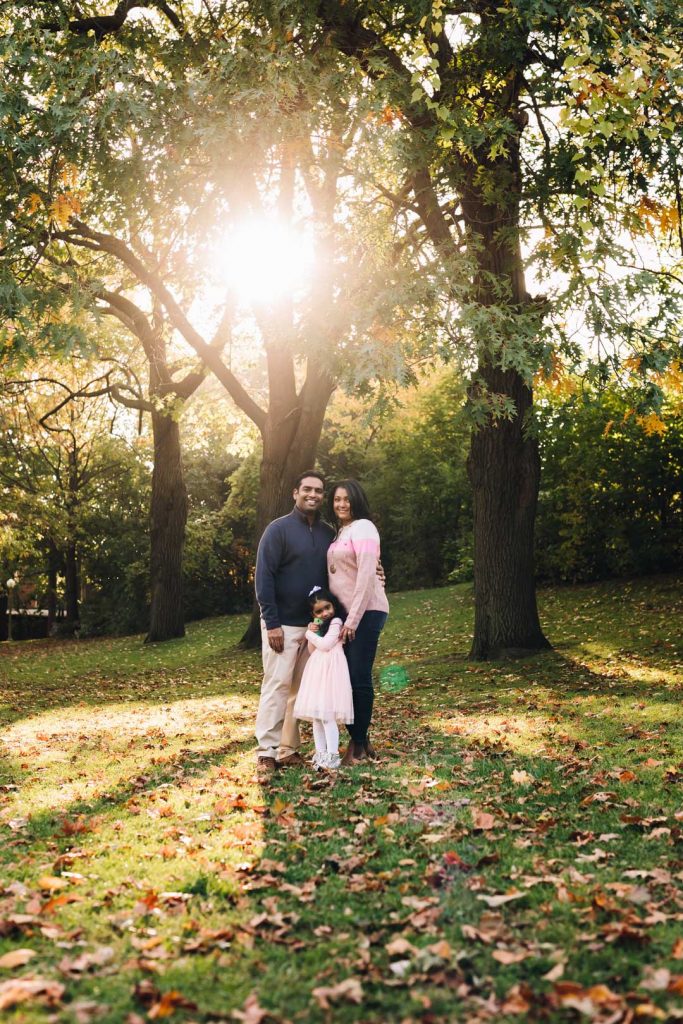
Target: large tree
{"x": 527, "y": 136}
{"x": 160, "y": 136}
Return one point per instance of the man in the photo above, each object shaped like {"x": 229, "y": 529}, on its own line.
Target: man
{"x": 291, "y": 560}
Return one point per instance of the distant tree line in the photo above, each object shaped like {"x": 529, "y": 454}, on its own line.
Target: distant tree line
{"x": 611, "y": 503}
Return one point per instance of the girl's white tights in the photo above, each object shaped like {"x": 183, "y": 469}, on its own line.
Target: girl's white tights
{"x": 325, "y": 737}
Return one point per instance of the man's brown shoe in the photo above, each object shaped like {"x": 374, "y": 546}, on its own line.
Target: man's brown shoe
{"x": 265, "y": 769}
{"x": 293, "y": 760}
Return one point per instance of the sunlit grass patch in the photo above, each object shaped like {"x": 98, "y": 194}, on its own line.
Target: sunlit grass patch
{"x": 524, "y": 734}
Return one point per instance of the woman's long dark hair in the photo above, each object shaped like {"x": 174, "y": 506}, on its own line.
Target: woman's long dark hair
{"x": 358, "y": 500}
{"x": 323, "y": 594}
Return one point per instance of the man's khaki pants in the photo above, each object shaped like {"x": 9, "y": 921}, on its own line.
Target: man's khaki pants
{"x": 277, "y": 730}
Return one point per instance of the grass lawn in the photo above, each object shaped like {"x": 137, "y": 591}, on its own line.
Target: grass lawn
{"x": 516, "y": 855}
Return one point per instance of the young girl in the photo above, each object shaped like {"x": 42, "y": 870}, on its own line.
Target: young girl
{"x": 325, "y": 697}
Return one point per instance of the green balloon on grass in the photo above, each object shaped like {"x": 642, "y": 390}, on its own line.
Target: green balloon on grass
{"x": 394, "y": 678}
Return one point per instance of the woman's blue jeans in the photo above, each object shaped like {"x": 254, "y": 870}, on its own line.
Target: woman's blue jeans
{"x": 360, "y": 655}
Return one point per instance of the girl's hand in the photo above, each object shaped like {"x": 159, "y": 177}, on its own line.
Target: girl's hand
{"x": 314, "y": 627}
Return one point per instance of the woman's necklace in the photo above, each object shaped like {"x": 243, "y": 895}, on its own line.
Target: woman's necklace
{"x": 333, "y": 567}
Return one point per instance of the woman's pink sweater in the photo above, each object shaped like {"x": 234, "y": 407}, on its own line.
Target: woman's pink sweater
{"x": 352, "y": 568}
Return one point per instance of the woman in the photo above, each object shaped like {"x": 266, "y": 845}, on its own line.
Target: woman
{"x": 352, "y": 567}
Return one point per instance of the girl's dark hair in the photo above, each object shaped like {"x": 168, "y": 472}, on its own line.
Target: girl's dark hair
{"x": 323, "y": 594}
{"x": 358, "y": 500}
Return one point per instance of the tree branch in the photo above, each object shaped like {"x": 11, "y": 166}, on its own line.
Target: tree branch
{"x": 83, "y": 235}
{"x": 104, "y": 24}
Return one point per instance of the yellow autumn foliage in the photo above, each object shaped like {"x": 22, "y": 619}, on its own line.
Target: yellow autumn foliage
{"x": 651, "y": 424}
{"x": 657, "y": 216}
{"x": 671, "y": 379}
{"x": 633, "y": 363}
{"x": 33, "y": 202}
{"x": 63, "y": 207}
{"x": 556, "y": 379}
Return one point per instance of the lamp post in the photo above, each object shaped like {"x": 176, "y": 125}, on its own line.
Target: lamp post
{"x": 11, "y": 584}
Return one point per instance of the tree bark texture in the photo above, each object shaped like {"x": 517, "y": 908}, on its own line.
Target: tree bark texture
{"x": 504, "y": 471}
{"x": 53, "y": 563}
{"x": 503, "y": 464}
{"x": 71, "y": 584}
{"x": 168, "y": 517}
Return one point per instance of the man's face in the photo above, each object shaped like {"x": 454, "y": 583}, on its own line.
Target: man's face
{"x": 308, "y": 496}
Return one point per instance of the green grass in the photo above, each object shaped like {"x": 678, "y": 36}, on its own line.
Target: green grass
{"x": 517, "y": 854}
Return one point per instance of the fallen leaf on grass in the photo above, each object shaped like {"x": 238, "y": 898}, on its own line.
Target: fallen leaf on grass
{"x": 61, "y": 901}
{"x": 160, "y": 1004}
{"x": 16, "y": 958}
{"x": 517, "y": 1000}
{"x": 400, "y": 946}
{"x": 87, "y": 1010}
{"x": 441, "y": 949}
{"x": 655, "y": 979}
{"x": 509, "y": 956}
{"x": 75, "y": 826}
{"x": 677, "y": 951}
{"x": 586, "y": 1000}
{"x": 52, "y": 883}
{"x": 169, "y": 1003}
{"x": 482, "y": 820}
{"x": 86, "y": 962}
{"x": 520, "y": 777}
{"x": 350, "y": 990}
{"x": 252, "y": 1012}
{"x": 24, "y": 990}
{"x": 499, "y": 899}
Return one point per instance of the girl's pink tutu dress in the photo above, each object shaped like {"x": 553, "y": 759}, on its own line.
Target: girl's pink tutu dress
{"x": 325, "y": 690}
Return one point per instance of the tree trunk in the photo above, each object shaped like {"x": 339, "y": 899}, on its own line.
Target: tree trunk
{"x": 71, "y": 585}
{"x": 504, "y": 471}
{"x": 53, "y": 563}
{"x": 168, "y": 517}
{"x": 289, "y": 447}
{"x": 503, "y": 464}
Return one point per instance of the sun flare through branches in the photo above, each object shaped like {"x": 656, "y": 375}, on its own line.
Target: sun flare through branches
{"x": 264, "y": 261}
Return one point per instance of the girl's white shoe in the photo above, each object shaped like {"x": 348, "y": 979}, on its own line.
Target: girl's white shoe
{"x": 325, "y": 762}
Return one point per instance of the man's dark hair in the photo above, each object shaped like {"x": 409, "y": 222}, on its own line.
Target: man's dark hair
{"x": 309, "y": 472}
{"x": 358, "y": 500}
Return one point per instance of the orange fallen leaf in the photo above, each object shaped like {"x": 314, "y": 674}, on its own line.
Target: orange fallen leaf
{"x": 169, "y": 1003}
{"x": 52, "y": 883}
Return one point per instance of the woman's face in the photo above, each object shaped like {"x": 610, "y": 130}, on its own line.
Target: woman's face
{"x": 323, "y": 610}
{"x": 342, "y": 505}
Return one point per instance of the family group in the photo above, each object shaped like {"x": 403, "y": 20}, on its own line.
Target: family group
{"x": 320, "y": 590}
